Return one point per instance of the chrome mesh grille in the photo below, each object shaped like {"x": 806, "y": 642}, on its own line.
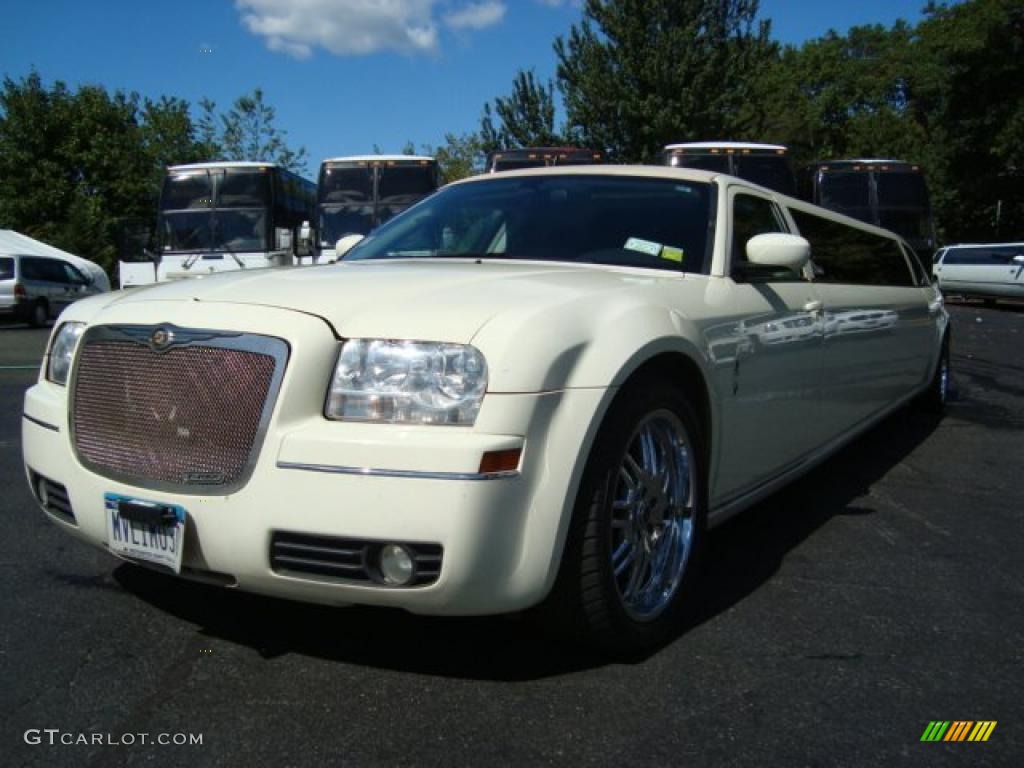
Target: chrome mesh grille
{"x": 188, "y": 416}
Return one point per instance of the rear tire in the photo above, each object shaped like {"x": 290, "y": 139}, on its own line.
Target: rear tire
{"x": 936, "y": 396}
{"x": 39, "y": 314}
{"x": 638, "y": 525}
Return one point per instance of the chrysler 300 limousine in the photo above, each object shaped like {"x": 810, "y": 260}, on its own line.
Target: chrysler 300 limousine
{"x": 537, "y": 388}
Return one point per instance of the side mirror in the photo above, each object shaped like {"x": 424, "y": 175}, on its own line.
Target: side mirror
{"x": 282, "y": 239}
{"x": 777, "y": 249}
{"x": 304, "y": 242}
{"x": 346, "y": 244}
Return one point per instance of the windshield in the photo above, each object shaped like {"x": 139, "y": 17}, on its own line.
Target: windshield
{"x": 188, "y": 189}
{"x": 848, "y": 192}
{"x": 625, "y": 221}
{"x": 216, "y": 188}
{"x": 772, "y": 171}
{"x": 243, "y": 189}
{"x": 346, "y": 184}
{"x": 336, "y": 221}
{"x": 901, "y": 189}
{"x": 213, "y": 231}
{"x": 405, "y": 183}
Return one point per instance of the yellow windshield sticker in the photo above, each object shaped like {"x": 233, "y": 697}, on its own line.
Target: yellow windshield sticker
{"x": 672, "y": 254}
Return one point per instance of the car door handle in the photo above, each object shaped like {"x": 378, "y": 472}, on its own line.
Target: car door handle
{"x": 814, "y": 307}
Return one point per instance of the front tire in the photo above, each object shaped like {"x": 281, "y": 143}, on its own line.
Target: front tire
{"x": 638, "y": 525}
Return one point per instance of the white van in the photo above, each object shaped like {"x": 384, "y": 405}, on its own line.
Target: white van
{"x": 989, "y": 270}
{"x": 35, "y": 289}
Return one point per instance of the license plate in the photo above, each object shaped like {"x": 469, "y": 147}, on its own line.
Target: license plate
{"x": 145, "y": 530}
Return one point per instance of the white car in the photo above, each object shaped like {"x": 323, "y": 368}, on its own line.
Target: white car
{"x": 538, "y": 387}
{"x": 989, "y": 270}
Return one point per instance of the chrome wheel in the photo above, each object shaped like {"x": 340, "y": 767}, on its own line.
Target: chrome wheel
{"x": 652, "y": 515}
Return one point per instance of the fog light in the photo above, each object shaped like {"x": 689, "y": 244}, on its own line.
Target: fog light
{"x": 396, "y": 564}
{"x": 44, "y": 496}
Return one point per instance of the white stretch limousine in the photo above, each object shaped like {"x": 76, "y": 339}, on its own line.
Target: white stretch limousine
{"x": 538, "y": 387}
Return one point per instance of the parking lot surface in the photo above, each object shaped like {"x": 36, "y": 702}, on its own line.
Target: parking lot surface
{"x": 881, "y": 592}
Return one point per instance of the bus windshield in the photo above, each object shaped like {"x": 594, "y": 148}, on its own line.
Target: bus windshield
{"x": 215, "y": 210}
{"x": 842, "y": 191}
{"x": 346, "y": 184}
{"x": 902, "y": 190}
{"x": 400, "y": 182}
{"x": 357, "y": 195}
{"x": 772, "y": 171}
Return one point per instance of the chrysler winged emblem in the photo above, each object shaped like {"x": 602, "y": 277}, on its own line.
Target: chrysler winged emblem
{"x": 160, "y": 338}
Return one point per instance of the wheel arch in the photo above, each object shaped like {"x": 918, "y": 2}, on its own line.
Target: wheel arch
{"x": 669, "y": 360}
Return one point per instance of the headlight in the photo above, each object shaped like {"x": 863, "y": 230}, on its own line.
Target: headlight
{"x": 62, "y": 351}
{"x": 407, "y": 381}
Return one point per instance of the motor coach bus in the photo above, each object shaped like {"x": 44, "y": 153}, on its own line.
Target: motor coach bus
{"x": 540, "y": 157}
{"x": 766, "y": 164}
{"x": 217, "y": 217}
{"x": 891, "y": 194}
{"x": 359, "y": 193}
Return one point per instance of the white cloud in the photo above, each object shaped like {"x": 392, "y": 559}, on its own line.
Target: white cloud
{"x": 476, "y": 15}
{"x": 359, "y": 27}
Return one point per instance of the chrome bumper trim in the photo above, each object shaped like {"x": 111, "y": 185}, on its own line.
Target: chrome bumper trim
{"x": 403, "y": 473}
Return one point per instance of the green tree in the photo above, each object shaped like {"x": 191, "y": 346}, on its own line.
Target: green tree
{"x": 78, "y": 166}
{"x": 843, "y": 95}
{"x": 459, "y": 156}
{"x": 638, "y": 74}
{"x": 526, "y": 118}
{"x": 970, "y": 99}
{"x": 247, "y": 132}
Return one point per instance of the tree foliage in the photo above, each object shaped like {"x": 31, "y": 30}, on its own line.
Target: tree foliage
{"x": 636, "y": 75}
{"x": 247, "y": 132}
{"x": 526, "y": 117}
{"x": 947, "y": 94}
{"x": 459, "y": 156}
{"x": 78, "y": 165}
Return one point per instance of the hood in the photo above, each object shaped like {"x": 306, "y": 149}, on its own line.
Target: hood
{"x": 433, "y": 300}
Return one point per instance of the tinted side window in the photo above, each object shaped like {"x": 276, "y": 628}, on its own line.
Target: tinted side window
{"x": 916, "y": 266}
{"x": 6, "y": 268}
{"x": 982, "y": 256}
{"x": 72, "y": 275}
{"x": 32, "y": 269}
{"x": 843, "y": 254}
{"x": 752, "y": 216}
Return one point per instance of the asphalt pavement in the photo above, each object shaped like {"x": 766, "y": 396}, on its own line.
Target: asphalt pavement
{"x": 835, "y": 621}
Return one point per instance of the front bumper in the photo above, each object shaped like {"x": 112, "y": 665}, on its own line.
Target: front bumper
{"x": 501, "y": 537}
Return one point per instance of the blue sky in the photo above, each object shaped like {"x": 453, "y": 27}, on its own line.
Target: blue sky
{"x": 343, "y": 75}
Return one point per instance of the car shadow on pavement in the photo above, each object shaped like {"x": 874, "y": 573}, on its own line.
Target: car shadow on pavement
{"x": 742, "y": 555}
{"x": 748, "y": 550}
